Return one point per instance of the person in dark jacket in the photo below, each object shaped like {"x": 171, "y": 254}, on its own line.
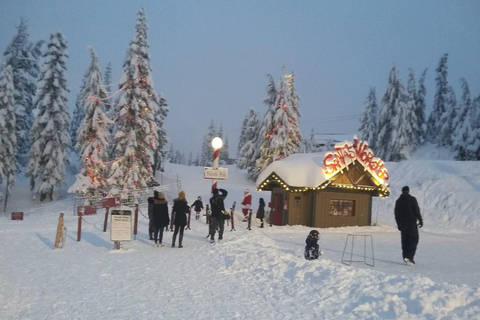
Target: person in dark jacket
{"x": 261, "y": 211}
{"x": 151, "y": 228}
{"x": 180, "y": 209}
{"x": 198, "y": 206}
{"x": 159, "y": 218}
{"x": 312, "y": 251}
{"x": 218, "y": 217}
{"x": 407, "y": 213}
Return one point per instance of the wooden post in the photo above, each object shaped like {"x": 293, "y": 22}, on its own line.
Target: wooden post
{"x": 106, "y": 219}
{"x": 79, "y": 231}
{"x": 135, "y": 223}
{"x": 59, "y": 236}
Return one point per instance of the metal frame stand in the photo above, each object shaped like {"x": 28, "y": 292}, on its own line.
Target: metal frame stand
{"x": 348, "y": 262}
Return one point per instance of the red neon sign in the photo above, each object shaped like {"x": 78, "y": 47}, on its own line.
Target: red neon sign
{"x": 347, "y": 152}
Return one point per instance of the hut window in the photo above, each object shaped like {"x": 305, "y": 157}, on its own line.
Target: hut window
{"x": 344, "y": 208}
{"x": 297, "y": 202}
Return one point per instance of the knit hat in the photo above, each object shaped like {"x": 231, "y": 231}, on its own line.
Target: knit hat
{"x": 161, "y": 195}
{"x": 181, "y": 194}
{"x": 406, "y": 189}
{"x": 246, "y": 191}
{"x": 155, "y": 192}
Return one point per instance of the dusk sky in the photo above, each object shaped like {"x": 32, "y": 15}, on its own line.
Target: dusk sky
{"x": 210, "y": 58}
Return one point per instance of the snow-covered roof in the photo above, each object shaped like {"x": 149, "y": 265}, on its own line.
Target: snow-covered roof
{"x": 299, "y": 170}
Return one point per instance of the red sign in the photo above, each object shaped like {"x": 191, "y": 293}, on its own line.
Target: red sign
{"x": 86, "y": 210}
{"x": 17, "y": 215}
{"x": 347, "y": 152}
{"x": 111, "y": 202}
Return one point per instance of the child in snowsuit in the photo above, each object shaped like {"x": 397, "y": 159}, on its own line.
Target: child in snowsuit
{"x": 312, "y": 251}
{"x": 198, "y": 204}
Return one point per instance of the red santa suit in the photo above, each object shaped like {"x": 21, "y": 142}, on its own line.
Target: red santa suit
{"x": 246, "y": 203}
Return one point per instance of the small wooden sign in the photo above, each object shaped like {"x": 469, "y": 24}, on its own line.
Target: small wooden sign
{"x": 121, "y": 225}
{"x": 86, "y": 210}
{"x": 17, "y": 215}
{"x": 215, "y": 173}
{"x": 111, "y": 202}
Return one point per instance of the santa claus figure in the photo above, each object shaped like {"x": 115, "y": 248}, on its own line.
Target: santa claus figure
{"x": 246, "y": 204}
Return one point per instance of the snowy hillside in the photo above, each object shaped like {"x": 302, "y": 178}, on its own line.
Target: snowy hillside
{"x": 252, "y": 274}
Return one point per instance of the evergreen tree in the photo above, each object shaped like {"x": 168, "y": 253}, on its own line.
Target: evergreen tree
{"x": 420, "y": 106}
{"x": 94, "y": 137}
{"x": 8, "y": 139}
{"x": 368, "y": 130}
{"x": 447, "y": 119}
{"x": 190, "y": 159}
{"x": 464, "y": 126}
{"x": 284, "y": 137}
{"x": 78, "y": 114}
{"x": 223, "y": 155}
{"x": 474, "y": 146}
{"x": 242, "y": 139}
{"x": 107, "y": 84}
{"x": 136, "y": 133}
{"x": 310, "y": 144}
{"x": 434, "y": 123}
{"x": 390, "y": 108}
{"x": 206, "y": 156}
{"x": 23, "y": 57}
{"x": 162, "y": 139}
{"x": 405, "y": 134}
{"x": 50, "y": 128}
{"x": 246, "y": 157}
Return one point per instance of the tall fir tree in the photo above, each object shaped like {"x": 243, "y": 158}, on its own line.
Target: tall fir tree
{"x": 310, "y": 144}
{"x": 434, "y": 123}
{"x": 23, "y": 56}
{"x": 223, "y": 154}
{"x": 445, "y": 135}
{"x": 390, "y": 108}
{"x": 464, "y": 126}
{"x": 368, "y": 130}
{"x": 242, "y": 139}
{"x": 78, "y": 114}
{"x": 246, "y": 157}
{"x": 93, "y": 137}
{"x": 420, "y": 106}
{"x": 162, "y": 139}
{"x": 108, "y": 85}
{"x": 136, "y": 133}
{"x": 206, "y": 156}
{"x": 50, "y": 128}
{"x": 8, "y": 139}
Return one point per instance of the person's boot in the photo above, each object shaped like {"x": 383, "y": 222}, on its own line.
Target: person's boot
{"x": 173, "y": 240}
{"x": 180, "y": 241}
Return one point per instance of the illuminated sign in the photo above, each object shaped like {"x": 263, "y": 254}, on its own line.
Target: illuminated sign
{"x": 346, "y": 153}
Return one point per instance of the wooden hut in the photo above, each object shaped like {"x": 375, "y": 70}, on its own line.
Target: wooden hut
{"x": 322, "y": 190}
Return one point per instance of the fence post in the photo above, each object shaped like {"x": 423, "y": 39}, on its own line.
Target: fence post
{"x": 106, "y": 220}
{"x": 232, "y": 211}
{"x": 249, "y": 219}
{"x": 272, "y": 213}
{"x": 135, "y": 223}
{"x": 172, "y": 220}
{"x": 188, "y": 220}
{"x": 59, "y": 236}
{"x": 79, "y": 230}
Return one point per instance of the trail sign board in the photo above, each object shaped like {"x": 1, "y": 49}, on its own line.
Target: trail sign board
{"x": 215, "y": 173}
{"x": 86, "y": 210}
{"x": 111, "y": 202}
{"x": 121, "y": 225}
{"x": 17, "y": 215}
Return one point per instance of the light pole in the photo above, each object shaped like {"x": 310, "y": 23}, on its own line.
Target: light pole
{"x": 216, "y": 144}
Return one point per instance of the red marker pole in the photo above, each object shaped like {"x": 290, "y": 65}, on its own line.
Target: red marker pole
{"x": 172, "y": 220}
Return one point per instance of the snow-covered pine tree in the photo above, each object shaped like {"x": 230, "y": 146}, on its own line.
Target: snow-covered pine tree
{"x": 242, "y": 138}
{"x": 107, "y": 85}
{"x": 246, "y": 158}
{"x": 265, "y": 131}
{"x": 447, "y": 119}
{"x": 474, "y": 146}
{"x": 390, "y": 108}
{"x": 206, "y": 156}
{"x": 368, "y": 130}
{"x": 23, "y": 56}
{"x": 295, "y": 139}
{"x": 50, "y": 128}
{"x": 136, "y": 132}
{"x": 420, "y": 106}
{"x": 162, "y": 139}
{"x": 190, "y": 159}
{"x": 8, "y": 139}
{"x": 223, "y": 154}
{"x": 310, "y": 144}
{"x": 434, "y": 123}
{"x": 405, "y": 137}
{"x": 464, "y": 130}
{"x": 78, "y": 114}
{"x": 93, "y": 134}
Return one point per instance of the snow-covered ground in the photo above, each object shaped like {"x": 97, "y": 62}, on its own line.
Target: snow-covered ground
{"x": 252, "y": 274}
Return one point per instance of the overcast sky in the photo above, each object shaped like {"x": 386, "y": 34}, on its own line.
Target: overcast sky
{"x": 210, "y": 58}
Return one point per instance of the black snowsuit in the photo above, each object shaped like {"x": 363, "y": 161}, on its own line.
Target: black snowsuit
{"x": 261, "y": 211}
{"x": 312, "y": 251}
{"x": 180, "y": 209}
{"x": 198, "y": 206}
{"x": 407, "y": 213}
{"x": 218, "y": 218}
{"x": 159, "y": 218}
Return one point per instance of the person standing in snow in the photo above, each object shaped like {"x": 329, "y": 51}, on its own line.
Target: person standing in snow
{"x": 160, "y": 218}
{"x": 151, "y": 228}
{"x": 246, "y": 204}
{"x": 312, "y": 249}
{"x": 407, "y": 212}
{"x": 261, "y": 211}
{"x": 218, "y": 217}
{"x": 180, "y": 208}
{"x": 198, "y": 206}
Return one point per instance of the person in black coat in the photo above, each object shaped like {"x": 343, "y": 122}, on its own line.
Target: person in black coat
{"x": 218, "y": 217}
{"x": 261, "y": 211}
{"x": 312, "y": 249}
{"x": 407, "y": 213}
{"x": 198, "y": 206}
{"x": 159, "y": 216}
{"x": 180, "y": 209}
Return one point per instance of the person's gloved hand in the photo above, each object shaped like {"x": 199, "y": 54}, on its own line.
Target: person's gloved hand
{"x": 420, "y": 224}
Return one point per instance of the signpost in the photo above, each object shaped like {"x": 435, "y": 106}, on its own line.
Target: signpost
{"x": 17, "y": 215}
{"x": 217, "y": 173}
{"x": 120, "y": 227}
{"x": 86, "y": 210}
